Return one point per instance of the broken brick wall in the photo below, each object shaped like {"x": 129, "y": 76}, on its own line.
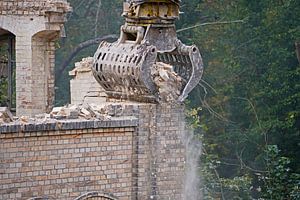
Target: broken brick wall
{"x": 160, "y": 151}
{"x": 138, "y": 154}
{"x": 83, "y": 86}
{"x": 36, "y": 25}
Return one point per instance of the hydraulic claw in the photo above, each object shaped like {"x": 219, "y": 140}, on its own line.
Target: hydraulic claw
{"x": 124, "y": 68}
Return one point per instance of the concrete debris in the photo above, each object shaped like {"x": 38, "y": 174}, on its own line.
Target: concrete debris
{"x": 64, "y": 113}
{"x": 24, "y": 119}
{"x": 86, "y": 112}
{"x": 83, "y": 66}
{"x": 169, "y": 83}
{"x": 5, "y": 115}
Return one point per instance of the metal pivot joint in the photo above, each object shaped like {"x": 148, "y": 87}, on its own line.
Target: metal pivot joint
{"x": 123, "y": 68}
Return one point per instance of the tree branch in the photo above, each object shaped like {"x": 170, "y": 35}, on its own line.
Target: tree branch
{"x": 210, "y": 23}
{"x": 80, "y": 47}
{"x": 297, "y": 45}
{"x": 97, "y": 18}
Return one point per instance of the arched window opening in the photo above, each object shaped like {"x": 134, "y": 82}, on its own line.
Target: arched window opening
{"x": 7, "y": 70}
{"x": 96, "y": 196}
{"x": 41, "y": 198}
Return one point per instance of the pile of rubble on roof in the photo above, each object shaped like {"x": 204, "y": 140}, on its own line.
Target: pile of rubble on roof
{"x": 169, "y": 83}
{"x": 86, "y": 111}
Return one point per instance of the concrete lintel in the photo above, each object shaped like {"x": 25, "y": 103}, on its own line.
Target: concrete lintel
{"x": 64, "y": 125}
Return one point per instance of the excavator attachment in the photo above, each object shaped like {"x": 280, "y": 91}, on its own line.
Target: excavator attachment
{"x": 125, "y": 68}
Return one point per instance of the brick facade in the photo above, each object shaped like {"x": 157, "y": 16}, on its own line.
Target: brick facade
{"x": 64, "y": 164}
{"x": 83, "y": 86}
{"x": 32, "y": 7}
{"x": 36, "y": 25}
{"x": 160, "y": 151}
{"x": 138, "y": 155}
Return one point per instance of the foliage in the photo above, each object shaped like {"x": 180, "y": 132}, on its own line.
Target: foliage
{"x": 250, "y": 92}
{"x": 3, "y": 93}
{"x": 89, "y": 19}
{"x": 279, "y": 182}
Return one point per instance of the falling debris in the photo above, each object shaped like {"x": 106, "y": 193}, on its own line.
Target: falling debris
{"x": 169, "y": 83}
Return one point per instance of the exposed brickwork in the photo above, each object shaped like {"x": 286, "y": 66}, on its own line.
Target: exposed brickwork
{"x": 160, "y": 151}
{"x": 32, "y": 7}
{"x": 84, "y": 87}
{"x": 66, "y": 164}
{"x": 159, "y": 158}
{"x": 36, "y": 25}
{"x": 66, "y": 159}
{"x": 43, "y": 51}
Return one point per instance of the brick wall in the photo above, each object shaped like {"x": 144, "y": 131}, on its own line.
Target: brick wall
{"x": 138, "y": 155}
{"x": 83, "y": 86}
{"x": 65, "y": 164}
{"x": 43, "y": 53}
{"x": 36, "y": 25}
{"x": 159, "y": 157}
{"x": 32, "y": 7}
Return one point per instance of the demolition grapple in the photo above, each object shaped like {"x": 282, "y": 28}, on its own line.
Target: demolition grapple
{"x": 123, "y": 68}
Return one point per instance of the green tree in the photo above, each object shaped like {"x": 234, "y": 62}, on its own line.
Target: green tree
{"x": 279, "y": 182}
{"x": 250, "y": 93}
{"x": 89, "y": 20}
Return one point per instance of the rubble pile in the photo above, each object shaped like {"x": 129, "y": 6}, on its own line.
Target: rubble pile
{"x": 69, "y": 112}
{"x": 5, "y": 115}
{"x": 86, "y": 111}
{"x": 169, "y": 83}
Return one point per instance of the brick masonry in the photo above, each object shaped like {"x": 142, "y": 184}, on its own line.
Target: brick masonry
{"x": 36, "y": 25}
{"x": 159, "y": 151}
{"x": 63, "y": 164}
{"x": 83, "y": 86}
{"x": 138, "y": 155}
{"x": 32, "y": 7}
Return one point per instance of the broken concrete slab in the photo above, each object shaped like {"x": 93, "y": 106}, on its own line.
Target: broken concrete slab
{"x": 68, "y": 112}
{"x": 168, "y": 83}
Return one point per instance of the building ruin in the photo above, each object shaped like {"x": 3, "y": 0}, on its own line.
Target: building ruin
{"x": 31, "y": 28}
{"x": 137, "y": 153}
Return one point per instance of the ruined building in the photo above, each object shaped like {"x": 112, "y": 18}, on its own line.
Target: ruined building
{"x": 124, "y": 140}
{"x": 30, "y": 29}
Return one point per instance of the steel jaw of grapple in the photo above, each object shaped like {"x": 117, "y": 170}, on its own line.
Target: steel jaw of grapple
{"x": 120, "y": 68}
{"x": 124, "y": 68}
